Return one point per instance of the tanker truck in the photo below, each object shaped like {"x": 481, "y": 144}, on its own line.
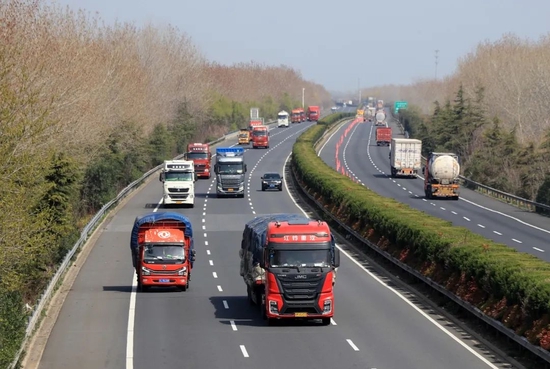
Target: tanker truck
{"x": 441, "y": 176}
{"x": 380, "y": 118}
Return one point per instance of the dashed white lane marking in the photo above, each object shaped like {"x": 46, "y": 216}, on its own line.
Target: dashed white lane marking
{"x": 262, "y": 157}
{"x": 207, "y": 252}
{"x": 211, "y": 262}
{"x": 481, "y": 225}
{"x": 214, "y": 274}
{"x": 203, "y": 220}
{"x": 332, "y": 322}
{"x": 355, "y": 348}
{"x": 205, "y": 235}
{"x": 243, "y": 350}
{"x": 220, "y": 288}
{"x": 518, "y": 241}
{"x": 442, "y": 208}
{"x": 233, "y": 325}
{"x": 203, "y": 227}
{"x": 225, "y": 304}
{"x": 454, "y": 212}
{"x": 205, "y": 243}
{"x": 495, "y": 232}
{"x": 536, "y": 248}
{"x": 468, "y": 219}
{"x": 398, "y": 294}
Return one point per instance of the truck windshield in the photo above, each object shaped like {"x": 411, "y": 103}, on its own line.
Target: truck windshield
{"x": 243, "y": 135}
{"x": 259, "y": 133}
{"x": 300, "y": 258}
{"x": 230, "y": 168}
{"x": 166, "y": 253}
{"x": 178, "y": 176}
{"x": 197, "y": 155}
{"x": 282, "y": 116}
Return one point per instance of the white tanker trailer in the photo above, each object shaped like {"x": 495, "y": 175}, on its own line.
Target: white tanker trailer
{"x": 380, "y": 118}
{"x": 441, "y": 176}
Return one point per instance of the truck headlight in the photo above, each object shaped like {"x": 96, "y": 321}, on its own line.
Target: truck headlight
{"x": 273, "y": 309}
{"x": 145, "y": 271}
{"x": 327, "y": 307}
{"x": 182, "y": 271}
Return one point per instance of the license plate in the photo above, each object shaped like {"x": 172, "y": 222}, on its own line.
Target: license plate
{"x": 164, "y": 280}
{"x": 271, "y": 185}
{"x": 179, "y": 202}
{"x": 229, "y": 190}
{"x": 300, "y": 315}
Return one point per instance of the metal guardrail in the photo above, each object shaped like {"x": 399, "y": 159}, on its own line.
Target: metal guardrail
{"x": 487, "y": 190}
{"x": 522, "y": 341}
{"x": 86, "y": 232}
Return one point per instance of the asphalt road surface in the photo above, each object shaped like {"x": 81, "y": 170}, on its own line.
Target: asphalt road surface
{"x": 104, "y": 323}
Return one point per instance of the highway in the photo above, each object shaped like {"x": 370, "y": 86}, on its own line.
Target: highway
{"x": 369, "y": 164}
{"x": 104, "y": 323}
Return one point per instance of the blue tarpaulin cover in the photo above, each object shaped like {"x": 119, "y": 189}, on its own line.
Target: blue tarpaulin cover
{"x": 229, "y": 151}
{"x": 255, "y": 231}
{"x": 159, "y": 217}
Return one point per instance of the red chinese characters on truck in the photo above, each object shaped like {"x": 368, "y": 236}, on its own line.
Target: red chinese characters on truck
{"x": 201, "y": 156}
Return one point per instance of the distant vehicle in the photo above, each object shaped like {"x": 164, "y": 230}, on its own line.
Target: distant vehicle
{"x": 334, "y": 108}
{"x": 282, "y": 119}
{"x": 313, "y": 113}
{"x": 272, "y": 181}
{"x": 260, "y": 137}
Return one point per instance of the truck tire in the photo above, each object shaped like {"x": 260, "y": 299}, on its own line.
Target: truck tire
{"x": 184, "y": 288}
{"x": 455, "y": 198}
{"x": 325, "y": 321}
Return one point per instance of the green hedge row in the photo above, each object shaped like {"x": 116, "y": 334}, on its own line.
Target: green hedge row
{"x": 501, "y": 280}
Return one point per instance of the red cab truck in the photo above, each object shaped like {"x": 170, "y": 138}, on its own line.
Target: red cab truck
{"x": 313, "y": 113}
{"x": 260, "y": 137}
{"x": 289, "y": 263}
{"x": 200, "y": 155}
{"x": 162, "y": 250}
{"x": 254, "y": 123}
{"x": 297, "y": 115}
{"x": 383, "y": 136}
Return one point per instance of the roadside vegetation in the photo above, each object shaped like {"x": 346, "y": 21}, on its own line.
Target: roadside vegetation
{"x": 505, "y": 84}
{"x": 85, "y": 109}
{"x": 506, "y": 285}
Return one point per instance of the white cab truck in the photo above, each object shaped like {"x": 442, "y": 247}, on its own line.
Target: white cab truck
{"x": 405, "y": 157}
{"x": 178, "y": 182}
{"x": 282, "y": 119}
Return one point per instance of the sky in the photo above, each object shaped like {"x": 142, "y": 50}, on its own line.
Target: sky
{"x": 341, "y": 45}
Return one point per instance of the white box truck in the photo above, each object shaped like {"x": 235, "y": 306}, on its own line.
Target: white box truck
{"x": 405, "y": 157}
{"x": 178, "y": 182}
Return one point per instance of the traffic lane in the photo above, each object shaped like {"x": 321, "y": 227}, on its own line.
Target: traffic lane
{"x": 327, "y": 151}
{"x": 391, "y": 331}
{"x": 493, "y": 207}
{"x": 495, "y": 227}
{"x": 99, "y": 297}
{"x": 272, "y": 201}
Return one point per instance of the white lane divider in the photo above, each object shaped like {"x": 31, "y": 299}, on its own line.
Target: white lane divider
{"x": 243, "y": 350}
{"x": 355, "y": 348}
{"x": 398, "y": 294}
{"x": 262, "y": 157}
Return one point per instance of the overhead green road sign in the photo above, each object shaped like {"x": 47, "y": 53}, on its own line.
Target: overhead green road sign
{"x": 399, "y": 105}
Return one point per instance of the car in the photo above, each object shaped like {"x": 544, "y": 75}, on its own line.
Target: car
{"x": 272, "y": 181}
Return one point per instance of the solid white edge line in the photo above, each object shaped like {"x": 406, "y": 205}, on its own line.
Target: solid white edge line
{"x": 430, "y": 319}
{"x": 132, "y": 316}
{"x": 330, "y": 138}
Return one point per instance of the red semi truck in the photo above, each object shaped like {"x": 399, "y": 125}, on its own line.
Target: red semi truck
{"x": 383, "y": 136}
{"x": 162, "y": 250}
{"x": 289, "y": 263}
{"x": 201, "y": 156}
{"x": 313, "y": 113}
{"x": 260, "y": 137}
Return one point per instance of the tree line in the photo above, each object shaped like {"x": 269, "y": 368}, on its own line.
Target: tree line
{"x": 490, "y": 153}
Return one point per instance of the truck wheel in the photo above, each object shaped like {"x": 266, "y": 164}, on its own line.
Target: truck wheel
{"x": 455, "y": 197}
{"x": 263, "y": 188}
{"x": 325, "y": 321}
{"x": 191, "y": 206}
{"x": 184, "y": 288}
{"x": 280, "y": 188}
{"x": 249, "y": 296}
{"x": 271, "y": 322}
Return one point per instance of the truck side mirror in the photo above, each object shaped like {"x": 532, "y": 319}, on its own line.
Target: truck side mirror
{"x": 161, "y": 176}
{"x": 261, "y": 177}
{"x": 241, "y": 253}
{"x": 245, "y": 168}
{"x": 216, "y": 168}
{"x": 194, "y": 177}
{"x": 185, "y": 156}
{"x": 336, "y": 258}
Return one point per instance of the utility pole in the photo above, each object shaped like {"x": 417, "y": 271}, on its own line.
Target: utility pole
{"x": 359, "y": 88}
{"x": 303, "y": 96}
{"x": 436, "y": 62}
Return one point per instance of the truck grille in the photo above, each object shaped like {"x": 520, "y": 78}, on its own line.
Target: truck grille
{"x": 182, "y": 196}
{"x": 200, "y": 168}
{"x": 301, "y": 290}
{"x": 178, "y": 190}
{"x": 231, "y": 182}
